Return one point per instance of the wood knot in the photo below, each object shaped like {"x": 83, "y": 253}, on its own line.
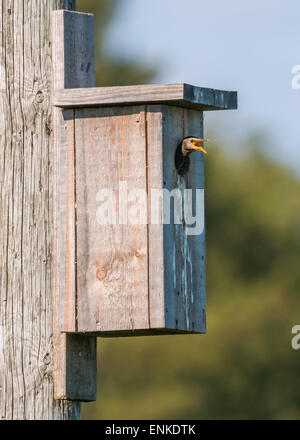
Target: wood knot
{"x": 47, "y": 359}
{"x": 101, "y": 273}
{"x": 39, "y": 98}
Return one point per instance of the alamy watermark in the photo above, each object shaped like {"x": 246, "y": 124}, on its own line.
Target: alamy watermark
{"x": 296, "y": 77}
{"x": 180, "y": 206}
{"x": 295, "y": 342}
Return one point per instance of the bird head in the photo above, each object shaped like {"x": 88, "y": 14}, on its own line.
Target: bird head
{"x": 190, "y": 144}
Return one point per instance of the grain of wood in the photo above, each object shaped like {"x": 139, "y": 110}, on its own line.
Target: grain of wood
{"x": 112, "y": 276}
{"x": 196, "y": 243}
{"x": 183, "y": 95}
{"x": 176, "y": 267}
{"x": 74, "y": 51}
{"x": 155, "y": 228}
{"x": 26, "y": 213}
{"x": 184, "y": 267}
{"x": 66, "y": 248}
{"x": 145, "y": 278}
{"x": 75, "y": 357}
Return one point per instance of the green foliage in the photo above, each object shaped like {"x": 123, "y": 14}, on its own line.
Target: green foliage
{"x": 244, "y": 367}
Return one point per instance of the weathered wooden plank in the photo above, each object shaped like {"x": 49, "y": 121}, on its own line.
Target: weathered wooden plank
{"x": 112, "y": 274}
{"x": 75, "y": 357}
{"x": 173, "y": 133}
{"x": 196, "y": 254}
{"x": 183, "y": 95}
{"x": 176, "y": 271}
{"x": 65, "y": 291}
{"x": 155, "y": 228}
{"x": 81, "y": 375}
{"x": 184, "y": 267}
{"x": 73, "y": 50}
{"x": 214, "y": 99}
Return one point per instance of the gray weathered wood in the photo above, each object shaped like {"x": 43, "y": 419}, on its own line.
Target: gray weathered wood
{"x": 184, "y": 255}
{"x": 196, "y": 284}
{"x": 176, "y": 258}
{"x": 155, "y": 231}
{"x": 112, "y": 279}
{"x": 134, "y": 279}
{"x": 183, "y": 95}
{"x": 75, "y": 357}
{"x": 74, "y": 52}
{"x": 26, "y": 213}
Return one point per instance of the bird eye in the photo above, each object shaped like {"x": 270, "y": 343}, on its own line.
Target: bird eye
{"x": 192, "y": 140}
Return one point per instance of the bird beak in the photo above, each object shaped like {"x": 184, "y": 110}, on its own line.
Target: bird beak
{"x": 198, "y": 145}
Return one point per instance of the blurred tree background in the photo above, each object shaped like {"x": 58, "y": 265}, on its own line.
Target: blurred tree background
{"x": 245, "y": 366}
{"x": 111, "y": 71}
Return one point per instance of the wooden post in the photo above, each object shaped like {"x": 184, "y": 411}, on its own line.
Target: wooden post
{"x": 26, "y": 213}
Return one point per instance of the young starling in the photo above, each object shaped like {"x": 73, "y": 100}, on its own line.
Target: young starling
{"x": 186, "y": 147}
{"x": 190, "y": 144}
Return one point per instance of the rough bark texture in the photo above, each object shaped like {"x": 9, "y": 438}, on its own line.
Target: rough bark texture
{"x": 26, "y": 213}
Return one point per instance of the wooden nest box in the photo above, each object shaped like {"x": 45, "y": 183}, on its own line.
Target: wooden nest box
{"x": 123, "y": 268}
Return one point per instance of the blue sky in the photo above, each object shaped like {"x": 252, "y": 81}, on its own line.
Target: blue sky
{"x": 248, "y": 46}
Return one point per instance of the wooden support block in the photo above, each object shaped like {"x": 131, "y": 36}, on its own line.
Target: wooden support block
{"x": 73, "y": 50}
{"x": 75, "y": 356}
